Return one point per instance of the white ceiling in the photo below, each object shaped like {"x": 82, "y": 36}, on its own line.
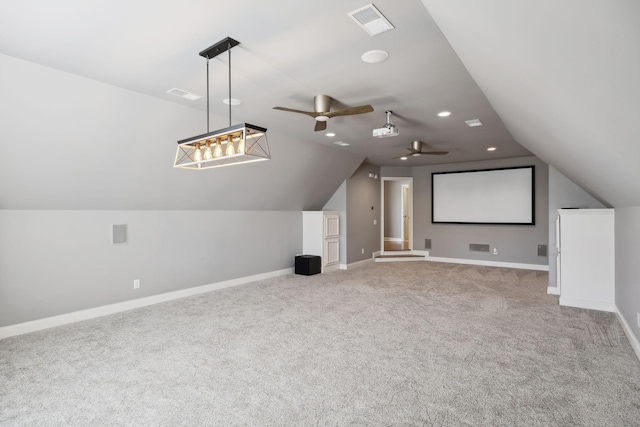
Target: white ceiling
{"x": 289, "y": 52}
{"x": 559, "y": 77}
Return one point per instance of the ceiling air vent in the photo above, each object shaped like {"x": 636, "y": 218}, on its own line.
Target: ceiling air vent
{"x": 184, "y": 94}
{"x": 371, "y": 20}
{"x": 473, "y": 123}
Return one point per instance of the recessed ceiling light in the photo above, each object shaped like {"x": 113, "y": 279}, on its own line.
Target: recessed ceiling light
{"x": 330, "y": 134}
{"x": 403, "y": 158}
{"x": 444, "y": 113}
{"x": 184, "y": 94}
{"x": 233, "y": 101}
{"x": 341, "y": 144}
{"x": 491, "y": 149}
{"x": 374, "y": 56}
{"x": 473, "y": 123}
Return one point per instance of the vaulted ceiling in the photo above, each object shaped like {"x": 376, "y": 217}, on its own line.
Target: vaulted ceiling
{"x": 558, "y": 81}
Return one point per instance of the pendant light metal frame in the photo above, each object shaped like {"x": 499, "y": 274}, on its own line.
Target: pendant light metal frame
{"x": 241, "y": 143}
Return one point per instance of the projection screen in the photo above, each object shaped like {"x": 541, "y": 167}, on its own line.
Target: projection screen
{"x": 491, "y": 196}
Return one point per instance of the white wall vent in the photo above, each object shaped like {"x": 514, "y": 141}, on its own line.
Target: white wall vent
{"x": 118, "y": 234}
{"x": 371, "y": 20}
{"x": 184, "y": 94}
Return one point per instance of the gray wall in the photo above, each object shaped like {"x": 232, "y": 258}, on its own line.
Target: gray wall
{"x": 55, "y": 262}
{"x": 515, "y": 243}
{"x": 393, "y": 209}
{"x": 363, "y": 207}
{"x": 627, "y": 265}
{"x": 563, "y": 193}
{"x": 338, "y": 202}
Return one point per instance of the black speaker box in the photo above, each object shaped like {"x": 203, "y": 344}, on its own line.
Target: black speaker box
{"x": 308, "y": 264}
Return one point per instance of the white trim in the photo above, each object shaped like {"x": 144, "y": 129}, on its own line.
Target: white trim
{"x": 633, "y": 340}
{"x": 357, "y": 263}
{"x": 553, "y": 290}
{"x": 518, "y": 265}
{"x": 376, "y": 253}
{"x": 588, "y": 304}
{"x": 91, "y": 313}
{"x": 403, "y": 259}
{"x": 343, "y": 266}
{"x": 393, "y": 239}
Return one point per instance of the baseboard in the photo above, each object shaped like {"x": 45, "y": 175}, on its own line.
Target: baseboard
{"x": 588, "y": 304}
{"x": 491, "y": 263}
{"x": 91, "y": 313}
{"x": 553, "y": 290}
{"x": 633, "y": 340}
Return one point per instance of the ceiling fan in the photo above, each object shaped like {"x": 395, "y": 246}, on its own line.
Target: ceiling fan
{"x": 322, "y": 113}
{"x": 416, "y": 150}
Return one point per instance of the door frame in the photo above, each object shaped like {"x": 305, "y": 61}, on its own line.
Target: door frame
{"x": 409, "y": 181}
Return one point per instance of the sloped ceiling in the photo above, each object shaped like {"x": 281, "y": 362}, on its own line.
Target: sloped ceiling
{"x": 564, "y": 77}
{"x": 92, "y": 127}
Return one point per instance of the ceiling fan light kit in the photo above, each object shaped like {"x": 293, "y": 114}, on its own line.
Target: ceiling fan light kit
{"x": 416, "y": 151}
{"x": 241, "y": 143}
{"x": 322, "y": 111}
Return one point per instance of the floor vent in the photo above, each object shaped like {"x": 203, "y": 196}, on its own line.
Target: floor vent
{"x": 427, "y": 243}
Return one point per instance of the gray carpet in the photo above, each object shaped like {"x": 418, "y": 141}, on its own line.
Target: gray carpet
{"x": 402, "y": 344}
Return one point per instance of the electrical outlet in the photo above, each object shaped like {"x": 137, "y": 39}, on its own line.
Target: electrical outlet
{"x": 495, "y": 251}
{"x": 638, "y": 316}
{"x": 136, "y": 284}
{"x": 363, "y": 251}
{"x": 375, "y": 222}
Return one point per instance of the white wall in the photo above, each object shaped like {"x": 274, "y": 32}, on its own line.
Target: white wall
{"x": 56, "y": 262}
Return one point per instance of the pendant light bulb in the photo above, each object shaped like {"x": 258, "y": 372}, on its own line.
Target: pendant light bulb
{"x": 240, "y": 145}
{"x": 230, "y": 151}
{"x": 217, "y": 152}
{"x": 207, "y": 151}
{"x": 198, "y": 154}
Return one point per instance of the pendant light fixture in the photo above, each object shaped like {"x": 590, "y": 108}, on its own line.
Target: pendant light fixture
{"x": 241, "y": 143}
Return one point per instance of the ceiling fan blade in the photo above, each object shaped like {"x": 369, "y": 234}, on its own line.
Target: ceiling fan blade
{"x": 350, "y": 111}
{"x": 291, "y": 110}
{"x": 399, "y": 157}
{"x": 435, "y": 153}
{"x": 413, "y": 151}
{"x": 320, "y": 126}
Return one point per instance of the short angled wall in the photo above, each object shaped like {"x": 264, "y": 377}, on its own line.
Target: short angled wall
{"x": 78, "y": 316}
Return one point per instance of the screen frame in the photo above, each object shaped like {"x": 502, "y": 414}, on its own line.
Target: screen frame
{"x": 533, "y": 196}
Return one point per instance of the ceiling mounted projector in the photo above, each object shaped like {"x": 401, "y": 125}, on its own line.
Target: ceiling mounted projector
{"x": 389, "y": 129}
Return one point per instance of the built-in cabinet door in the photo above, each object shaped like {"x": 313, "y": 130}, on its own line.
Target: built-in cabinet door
{"x": 331, "y": 251}
{"x": 331, "y": 226}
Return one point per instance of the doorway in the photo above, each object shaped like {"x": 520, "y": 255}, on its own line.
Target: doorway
{"x": 397, "y": 214}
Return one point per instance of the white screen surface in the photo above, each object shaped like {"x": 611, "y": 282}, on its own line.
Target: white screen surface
{"x": 496, "y": 196}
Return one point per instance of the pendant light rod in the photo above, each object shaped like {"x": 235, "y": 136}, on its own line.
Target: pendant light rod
{"x": 222, "y": 46}
{"x": 229, "y": 84}
{"x": 208, "y": 95}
